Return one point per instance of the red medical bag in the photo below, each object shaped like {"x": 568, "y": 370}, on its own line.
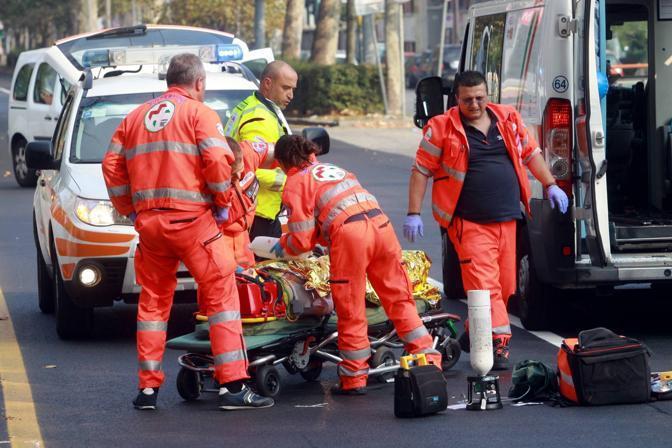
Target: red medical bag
{"x": 259, "y": 298}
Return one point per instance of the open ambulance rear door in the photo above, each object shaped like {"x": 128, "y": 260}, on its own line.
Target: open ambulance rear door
{"x": 592, "y": 211}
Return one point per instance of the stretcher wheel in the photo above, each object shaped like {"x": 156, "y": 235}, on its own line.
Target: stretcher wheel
{"x": 383, "y": 356}
{"x": 450, "y": 354}
{"x": 267, "y": 379}
{"x": 189, "y": 384}
{"x": 313, "y": 371}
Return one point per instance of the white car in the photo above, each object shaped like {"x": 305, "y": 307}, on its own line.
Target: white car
{"x": 42, "y": 77}
{"x": 85, "y": 250}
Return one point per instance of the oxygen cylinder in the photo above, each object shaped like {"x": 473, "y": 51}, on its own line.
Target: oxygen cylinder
{"x": 480, "y": 331}
{"x": 261, "y": 246}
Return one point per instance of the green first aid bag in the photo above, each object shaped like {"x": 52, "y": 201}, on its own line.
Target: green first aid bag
{"x": 533, "y": 381}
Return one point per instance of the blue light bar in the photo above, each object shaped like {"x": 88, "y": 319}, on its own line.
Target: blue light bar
{"x": 230, "y": 52}
{"x": 96, "y": 58}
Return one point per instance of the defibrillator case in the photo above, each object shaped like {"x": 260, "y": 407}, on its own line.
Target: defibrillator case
{"x": 419, "y": 391}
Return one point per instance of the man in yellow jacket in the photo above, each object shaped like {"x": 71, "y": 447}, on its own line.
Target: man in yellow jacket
{"x": 259, "y": 117}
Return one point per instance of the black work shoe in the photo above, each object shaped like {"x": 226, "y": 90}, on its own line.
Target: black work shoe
{"x": 464, "y": 342}
{"x": 245, "y": 399}
{"x": 146, "y": 401}
{"x": 337, "y": 389}
{"x": 500, "y": 347}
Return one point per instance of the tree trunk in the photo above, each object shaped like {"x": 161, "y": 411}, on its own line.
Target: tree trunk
{"x": 351, "y": 42}
{"x": 88, "y": 16}
{"x": 325, "y": 42}
{"x": 393, "y": 57}
{"x": 291, "y": 37}
{"x": 259, "y": 24}
{"x": 368, "y": 40}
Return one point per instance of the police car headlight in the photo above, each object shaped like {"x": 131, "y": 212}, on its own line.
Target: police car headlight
{"x": 98, "y": 213}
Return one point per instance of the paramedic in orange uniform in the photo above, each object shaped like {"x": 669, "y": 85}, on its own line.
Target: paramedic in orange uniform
{"x": 327, "y": 204}
{"x": 476, "y": 154}
{"x": 169, "y": 168}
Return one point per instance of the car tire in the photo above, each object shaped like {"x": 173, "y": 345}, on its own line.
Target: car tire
{"x": 452, "y": 275}
{"x": 45, "y": 284}
{"x": 24, "y": 176}
{"x": 534, "y": 299}
{"x": 72, "y": 321}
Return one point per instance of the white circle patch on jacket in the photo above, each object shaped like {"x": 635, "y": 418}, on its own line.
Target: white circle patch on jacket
{"x": 327, "y": 173}
{"x": 159, "y": 115}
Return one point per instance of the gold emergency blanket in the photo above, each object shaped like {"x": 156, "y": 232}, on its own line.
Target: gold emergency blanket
{"x": 315, "y": 271}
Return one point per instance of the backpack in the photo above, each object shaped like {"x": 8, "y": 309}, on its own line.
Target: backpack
{"x": 533, "y": 381}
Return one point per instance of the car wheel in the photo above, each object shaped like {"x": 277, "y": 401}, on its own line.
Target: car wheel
{"x": 25, "y": 177}
{"x": 189, "y": 384}
{"x": 452, "y": 275}
{"x": 45, "y": 285}
{"x": 267, "y": 379}
{"x": 534, "y": 298}
{"x": 72, "y": 321}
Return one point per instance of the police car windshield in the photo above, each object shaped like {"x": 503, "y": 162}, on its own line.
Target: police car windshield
{"x": 77, "y": 49}
{"x": 99, "y": 117}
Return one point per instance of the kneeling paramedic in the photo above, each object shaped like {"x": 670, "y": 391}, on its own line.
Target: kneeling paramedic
{"x": 166, "y": 168}
{"x": 476, "y": 154}
{"x": 328, "y": 204}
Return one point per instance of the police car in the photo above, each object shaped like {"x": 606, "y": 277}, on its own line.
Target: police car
{"x": 85, "y": 249}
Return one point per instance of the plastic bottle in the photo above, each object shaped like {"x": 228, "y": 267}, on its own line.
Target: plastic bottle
{"x": 480, "y": 331}
{"x": 262, "y": 245}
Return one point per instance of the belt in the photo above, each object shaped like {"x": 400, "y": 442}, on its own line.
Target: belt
{"x": 362, "y": 216}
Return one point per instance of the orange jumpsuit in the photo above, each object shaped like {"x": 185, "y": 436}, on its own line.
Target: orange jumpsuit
{"x": 168, "y": 161}
{"x": 487, "y": 251}
{"x": 327, "y": 204}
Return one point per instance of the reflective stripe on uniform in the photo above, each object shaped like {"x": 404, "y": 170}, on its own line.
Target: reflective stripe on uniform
{"x": 431, "y": 148}
{"x": 232, "y": 356}
{"x": 566, "y": 378}
{"x": 152, "y": 325}
{"x": 335, "y": 191}
{"x": 172, "y": 193}
{"x": 278, "y": 182}
{"x": 354, "y": 355}
{"x": 413, "y": 335}
{"x": 452, "y": 172}
{"x": 121, "y": 190}
{"x": 422, "y": 170}
{"x": 301, "y": 226}
{"x": 291, "y": 245}
{"x": 503, "y": 329}
{"x": 219, "y": 186}
{"x": 214, "y": 143}
{"x": 115, "y": 148}
{"x": 224, "y": 316}
{"x": 343, "y": 204}
{"x": 536, "y": 151}
{"x": 148, "y": 148}
{"x": 445, "y": 216}
{"x": 153, "y": 366}
{"x": 344, "y": 371}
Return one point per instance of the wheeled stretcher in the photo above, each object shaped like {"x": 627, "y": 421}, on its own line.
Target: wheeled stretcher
{"x": 302, "y": 344}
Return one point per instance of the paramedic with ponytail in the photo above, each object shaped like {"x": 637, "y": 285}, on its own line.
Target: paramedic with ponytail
{"x": 327, "y": 204}
{"x": 476, "y": 154}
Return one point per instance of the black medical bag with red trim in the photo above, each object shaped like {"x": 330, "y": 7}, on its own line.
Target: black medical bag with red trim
{"x": 260, "y": 297}
{"x": 600, "y": 367}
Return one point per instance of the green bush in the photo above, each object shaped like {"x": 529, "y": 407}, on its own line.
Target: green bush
{"x": 333, "y": 89}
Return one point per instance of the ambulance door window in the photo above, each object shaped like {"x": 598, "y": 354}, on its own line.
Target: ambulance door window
{"x": 522, "y": 39}
{"x": 486, "y": 53}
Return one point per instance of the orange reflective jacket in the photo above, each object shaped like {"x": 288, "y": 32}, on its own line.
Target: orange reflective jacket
{"x": 444, "y": 155}
{"x": 243, "y": 194}
{"x": 319, "y": 197}
{"x": 169, "y": 153}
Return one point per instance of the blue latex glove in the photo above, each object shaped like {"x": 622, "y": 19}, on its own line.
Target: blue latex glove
{"x": 278, "y": 250}
{"x": 133, "y": 216}
{"x": 557, "y": 197}
{"x": 413, "y": 227}
{"x": 239, "y": 269}
{"x": 221, "y": 215}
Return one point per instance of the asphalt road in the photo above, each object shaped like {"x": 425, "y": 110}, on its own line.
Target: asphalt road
{"x": 82, "y": 391}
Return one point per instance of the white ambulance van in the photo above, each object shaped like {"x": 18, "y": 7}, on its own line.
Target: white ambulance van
{"x": 611, "y": 155}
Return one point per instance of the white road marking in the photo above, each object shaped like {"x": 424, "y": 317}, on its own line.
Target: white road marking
{"x": 547, "y": 336}
{"x": 3, "y": 90}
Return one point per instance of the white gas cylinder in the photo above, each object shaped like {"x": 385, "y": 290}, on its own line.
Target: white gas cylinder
{"x": 480, "y": 331}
